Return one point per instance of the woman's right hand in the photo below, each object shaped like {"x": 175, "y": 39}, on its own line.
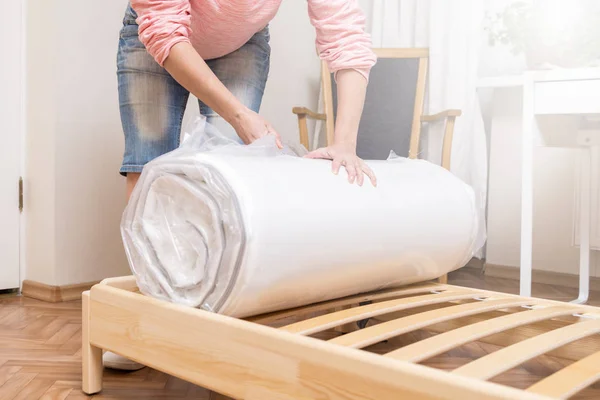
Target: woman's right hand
{"x": 250, "y": 126}
{"x": 187, "y": 67}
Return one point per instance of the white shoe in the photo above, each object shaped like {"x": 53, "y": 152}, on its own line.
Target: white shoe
{"x": 115, "y": 361}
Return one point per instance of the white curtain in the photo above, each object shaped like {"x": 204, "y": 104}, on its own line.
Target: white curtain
{"x": 451, "y": 30}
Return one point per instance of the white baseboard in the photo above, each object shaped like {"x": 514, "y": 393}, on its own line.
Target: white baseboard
{"x": 545, "y": 277}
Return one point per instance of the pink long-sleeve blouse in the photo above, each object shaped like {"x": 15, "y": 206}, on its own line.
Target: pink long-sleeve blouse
{"x": 218, "y": 27}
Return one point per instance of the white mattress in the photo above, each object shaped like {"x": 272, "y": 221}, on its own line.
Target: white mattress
{"x": 244, "y": 230}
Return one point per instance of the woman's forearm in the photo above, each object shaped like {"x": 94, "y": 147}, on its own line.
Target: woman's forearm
{"x": 351, "y": 91}
{"x": 189, "y": 69}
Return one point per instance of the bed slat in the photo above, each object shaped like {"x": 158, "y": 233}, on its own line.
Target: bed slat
{"x": 446, "y": 341}
{"x": 327, "y": 321}
{"x": 386, "y": 330}
{"x": 504, "y": 359}
{"x": 571, "y": 379}
{"x": 332, "y": 304}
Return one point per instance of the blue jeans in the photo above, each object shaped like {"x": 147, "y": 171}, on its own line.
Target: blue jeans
{"x": 152, "y": 103}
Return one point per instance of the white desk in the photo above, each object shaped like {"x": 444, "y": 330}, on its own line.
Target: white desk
{"x": 549, "y": 93}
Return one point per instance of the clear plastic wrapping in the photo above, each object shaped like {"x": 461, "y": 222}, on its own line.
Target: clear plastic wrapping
{"x": 243, "y": 230}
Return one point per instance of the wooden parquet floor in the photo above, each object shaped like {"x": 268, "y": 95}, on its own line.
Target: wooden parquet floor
{"x": 40, "y": 356}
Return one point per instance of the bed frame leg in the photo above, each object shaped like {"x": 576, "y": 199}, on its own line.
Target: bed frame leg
{"x": 91, "y": 355}
{"x": 443, "y": 279}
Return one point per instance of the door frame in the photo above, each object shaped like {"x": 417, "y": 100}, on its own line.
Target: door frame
{"x": 14, "y": 13}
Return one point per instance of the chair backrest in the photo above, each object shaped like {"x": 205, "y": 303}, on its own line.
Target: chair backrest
{"x": 391, "y": 118}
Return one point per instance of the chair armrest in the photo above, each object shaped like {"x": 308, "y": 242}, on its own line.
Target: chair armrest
{"x": 302, "y": 113}
{"x": 450, "y": 117}
{"x": 441, "y": 115}
{"x": 306, "y": 112}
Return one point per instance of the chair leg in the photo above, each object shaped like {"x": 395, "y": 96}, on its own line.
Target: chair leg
{"x": 91, "y": 355}
{"x": 303, "y": 128}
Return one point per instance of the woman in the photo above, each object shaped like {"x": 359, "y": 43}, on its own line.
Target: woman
{"x": 219, "y": 51}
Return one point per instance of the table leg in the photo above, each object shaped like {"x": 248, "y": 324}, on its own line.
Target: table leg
{"x": 585, "y": 215}
{"x": 527, "y": 137}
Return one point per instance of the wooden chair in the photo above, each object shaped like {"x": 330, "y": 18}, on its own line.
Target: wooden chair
{"x": 393, "y": 108}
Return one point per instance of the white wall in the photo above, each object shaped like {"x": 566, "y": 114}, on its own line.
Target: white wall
{"x": 89, "y": 144}
{"x": 40, "y": 171}
{"x": 74, "y": 195}
{"x": 294, "y": 77}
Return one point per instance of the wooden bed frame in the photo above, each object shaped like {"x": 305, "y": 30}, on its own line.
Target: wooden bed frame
{"x": 270, "y": 357}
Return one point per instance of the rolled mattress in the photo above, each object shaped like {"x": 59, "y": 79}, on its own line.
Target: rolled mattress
{"x": 242, "y": 230}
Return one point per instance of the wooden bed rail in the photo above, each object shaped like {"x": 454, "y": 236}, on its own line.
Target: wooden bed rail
{"x": 247, "y": 360}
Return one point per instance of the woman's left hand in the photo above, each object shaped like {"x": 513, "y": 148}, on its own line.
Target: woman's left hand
{"x": 344, "y": 154}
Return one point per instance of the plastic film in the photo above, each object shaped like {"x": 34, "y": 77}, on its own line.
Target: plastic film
{"x": 243, "y": 230}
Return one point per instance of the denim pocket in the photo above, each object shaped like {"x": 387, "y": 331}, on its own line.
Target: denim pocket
{"x": 129, "y": 30}
{"x": 265, "y": 34}
{"x": 130, "y": 27}
{"x": 262, "y": 39}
